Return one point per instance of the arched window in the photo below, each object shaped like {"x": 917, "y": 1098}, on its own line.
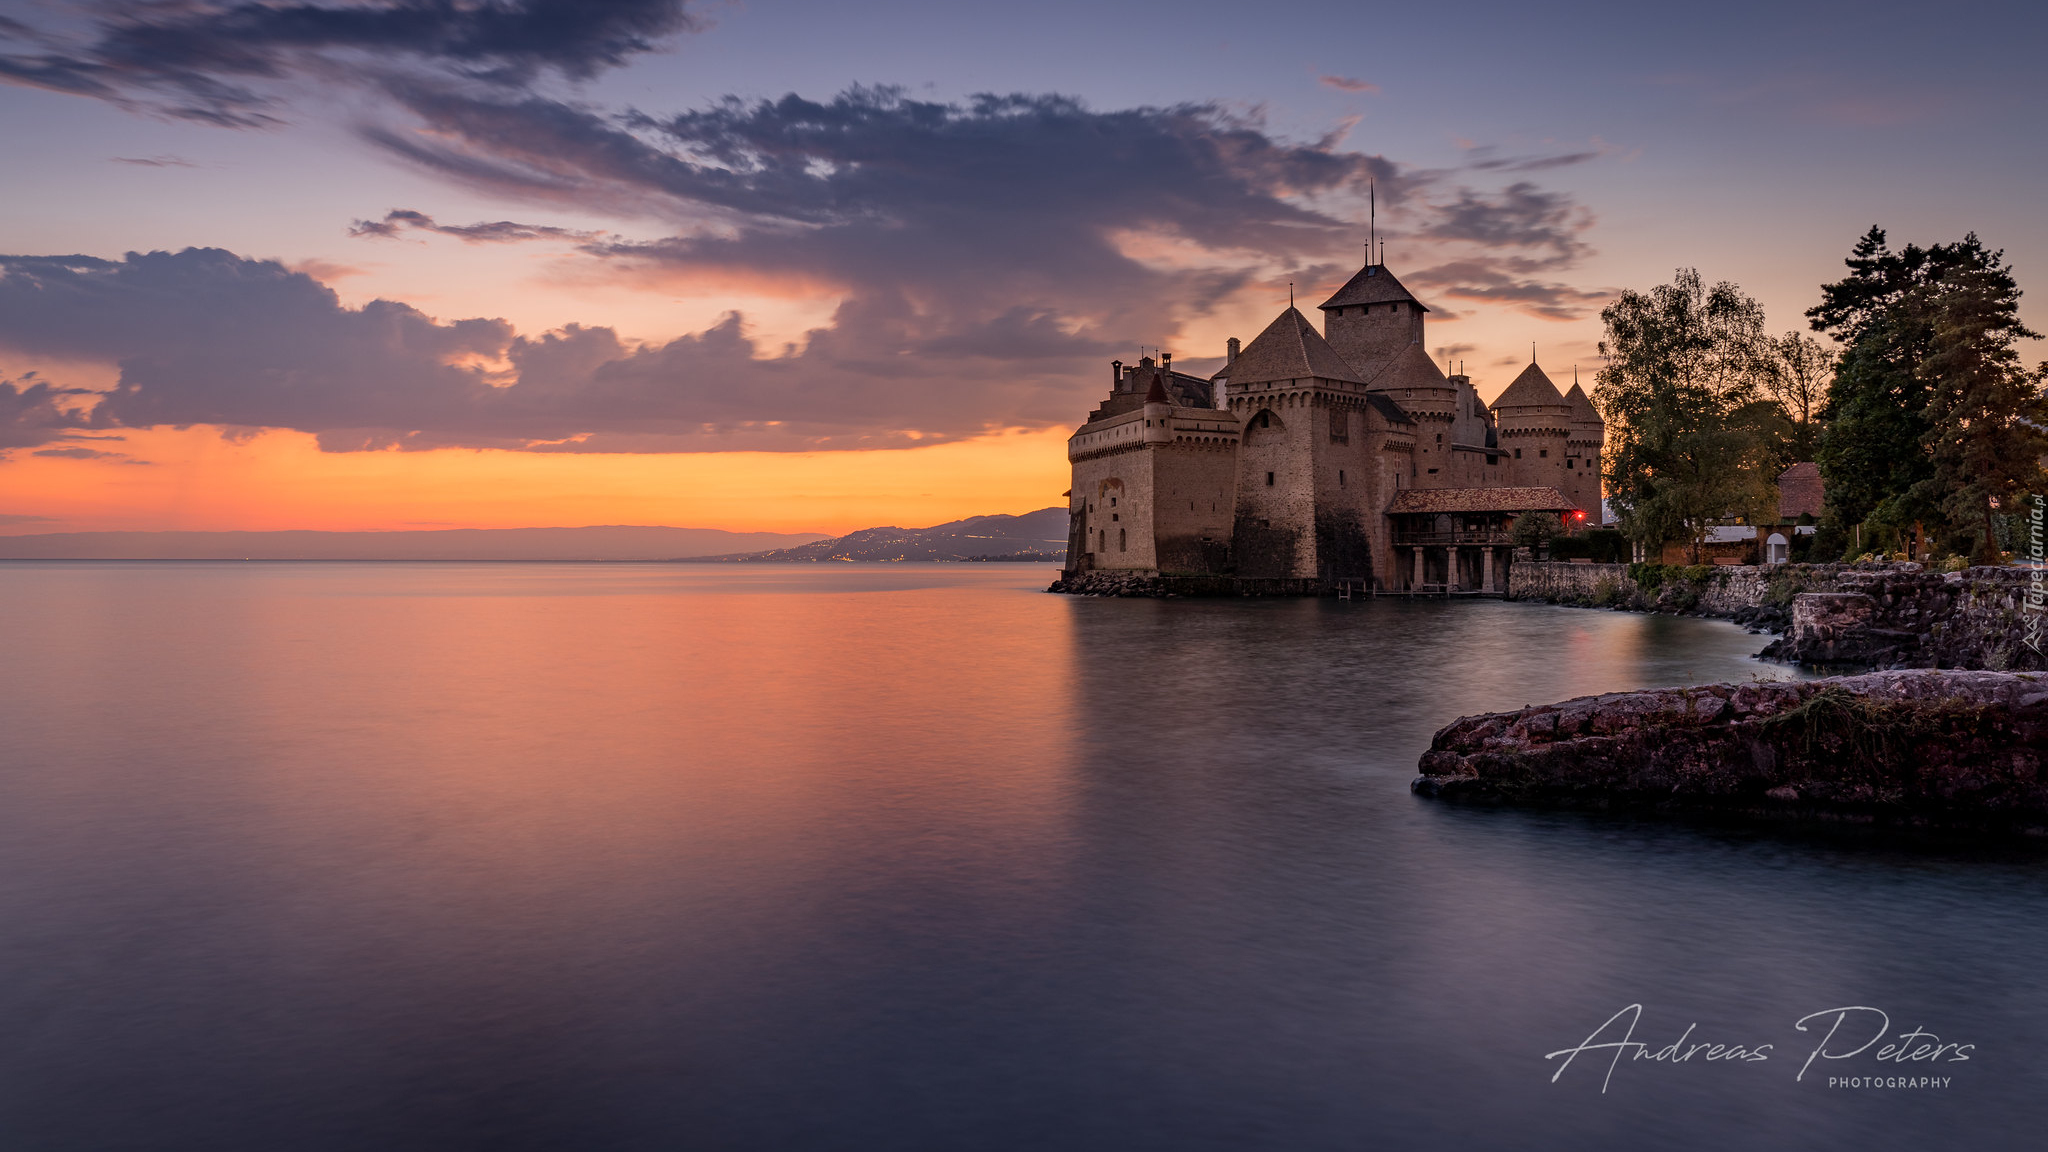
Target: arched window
{"x": 1102, "y": 545}
{"x": 1122, "y": 539}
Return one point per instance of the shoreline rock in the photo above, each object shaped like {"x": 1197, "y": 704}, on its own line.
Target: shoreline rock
{"x": 1918, "y": 748}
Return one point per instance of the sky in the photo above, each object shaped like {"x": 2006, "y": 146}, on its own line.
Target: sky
{"x": 795, "y": 266}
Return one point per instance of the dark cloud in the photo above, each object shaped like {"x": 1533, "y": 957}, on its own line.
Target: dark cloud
{"x": 80, "y": 454}
{"x": 154, "y": 161}
{"x": 1521, "y": 216}
{"x": 210, "y": 60}
{"x": 205, "y": 337}
{"x": 1497, "y": 282}
{"x": 495, "y": 232}
{"x": 34, "y": 412}
{"x": 22, "y": 518}
{"x": 1485, "y": 158}
{"x": 1348, "y": 84}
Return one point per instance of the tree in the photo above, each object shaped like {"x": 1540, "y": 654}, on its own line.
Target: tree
{"x": 1691, "y": 437}
{"x": 1984, "y": 411}
{"x": 1800, "y": 370}
{"x": 1927, "y": 416}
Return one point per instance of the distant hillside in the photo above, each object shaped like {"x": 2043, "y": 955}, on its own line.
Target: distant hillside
{"x": 1040, "y": 535}
{"x": 612, "y": 542}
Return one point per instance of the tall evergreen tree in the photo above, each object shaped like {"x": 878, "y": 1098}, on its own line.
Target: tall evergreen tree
{"x": 1924, "y": 419}
{"x": 1985, "y": 412}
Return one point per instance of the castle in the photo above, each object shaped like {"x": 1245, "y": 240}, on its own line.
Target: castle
{"x": 1341, "y": 456}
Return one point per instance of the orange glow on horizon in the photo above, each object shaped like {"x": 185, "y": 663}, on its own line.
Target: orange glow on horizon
{"x": 275, "y": 480}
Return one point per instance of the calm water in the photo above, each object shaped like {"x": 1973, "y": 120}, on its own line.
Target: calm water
{"x": 415, "y": 856}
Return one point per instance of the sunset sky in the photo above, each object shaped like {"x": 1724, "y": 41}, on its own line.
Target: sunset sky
{"x": 805, "y": 266}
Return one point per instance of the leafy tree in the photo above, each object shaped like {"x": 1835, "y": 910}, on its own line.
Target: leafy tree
{"x": 1534, "y": 530}
{"x": 1927, "y": 418}
{"x": 1800, "y": 370}
{"x": 1691, "y": 437}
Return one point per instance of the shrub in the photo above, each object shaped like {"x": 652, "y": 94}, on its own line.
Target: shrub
{"x": 1606, "y": 593}
{"x": 1648, "y": 577}
{"x": 1955, "y": 564}
{"x": 1697, "y": 572}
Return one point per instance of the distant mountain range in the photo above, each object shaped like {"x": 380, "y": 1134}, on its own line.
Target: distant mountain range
{"x": 611, "y": 542}
{"x": 1035, "y": 536}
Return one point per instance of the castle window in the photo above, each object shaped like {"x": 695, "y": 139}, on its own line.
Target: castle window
{"x": 1340, "y": 426}
{"x": 1439, "y": 438}
{"x": 1518, "y": 453}
{"x": 1121, "y": 539}
{"x": 1103, "y": 545}
{"x": 1269, "y": 479}
{"x": 1493, "y": 459}
{"x": 1571, "y": 463}
{"x": 1340, "y": 477}
{"x": 1112, "y": 501}
{"x": 1115, "y": 516}
{"x": 1543, "y": 452}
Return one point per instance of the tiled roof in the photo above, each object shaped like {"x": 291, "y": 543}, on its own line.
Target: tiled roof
{"x": 1373, "y": 285}
{"x": 1409, "y": 368}
{"x": 1583, "y": 411}
{"x": 1394, "y": 413}
{"x": 1479, "y": 500}
{"x": 1801, "y": 491}
{"x": 1531, "y": 389}
{"x": 1289, "y": 349}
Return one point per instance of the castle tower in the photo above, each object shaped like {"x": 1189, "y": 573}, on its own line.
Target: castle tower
{"x": 1372, "y": 320}
{"x": 1584, "y": 442}
{"x": 1535, "y": 425}
{"x": 1308, "y": 499}
{"x": 1154, "y": 473}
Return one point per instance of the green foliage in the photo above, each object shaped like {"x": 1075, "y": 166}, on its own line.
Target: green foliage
{"x": 1606, "y": 545}
{"x": 1955, "y": 564}
{"x": 1648, "y": 577}
{"x": 1848, "y": 729}
{"x": 1607, "y": 593}
{"x": 1534, "y": 529}
{"x": 1931, "y": 417}
{"x": 1691, "y": 437}
{"x": 1697, "y": 573}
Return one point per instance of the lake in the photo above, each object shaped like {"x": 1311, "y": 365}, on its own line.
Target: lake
{"x": 676, "y": 856}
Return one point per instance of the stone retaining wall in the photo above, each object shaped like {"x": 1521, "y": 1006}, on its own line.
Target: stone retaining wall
{"x": 1750, "y": 593}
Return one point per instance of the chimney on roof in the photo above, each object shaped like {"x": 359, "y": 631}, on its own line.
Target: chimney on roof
{"x": 1166, "y": 362}
{"x": 1230, "y": 348}
{"x": 1116, "y": 374}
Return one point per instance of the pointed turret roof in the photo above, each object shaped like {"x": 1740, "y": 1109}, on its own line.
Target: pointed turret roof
{"x": 1289, "y": 349}
{"x": 1411, "y": 367}
{"x": 1583, "y": 411}
{"x": 1157, "y": 393}
{"x": 1373, "y": 285}
{"x": 1532, "y": 389}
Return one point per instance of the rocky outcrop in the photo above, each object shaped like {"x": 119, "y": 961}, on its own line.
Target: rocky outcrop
{"x": 1900, "y": 747}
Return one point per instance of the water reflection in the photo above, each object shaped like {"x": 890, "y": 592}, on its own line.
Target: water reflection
{"x": 576, "y": 856}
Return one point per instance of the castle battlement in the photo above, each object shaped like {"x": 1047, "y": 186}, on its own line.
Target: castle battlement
{"x": 1340, "y": 455}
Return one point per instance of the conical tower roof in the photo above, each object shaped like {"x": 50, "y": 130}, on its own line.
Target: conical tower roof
{"x": 1373, "y": 285}
{"x": 1582, "y": 408}
{"x": 1289, "y": 349}
{"x": 1532, "y": 389}
{"x": 1410, "y": 368}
